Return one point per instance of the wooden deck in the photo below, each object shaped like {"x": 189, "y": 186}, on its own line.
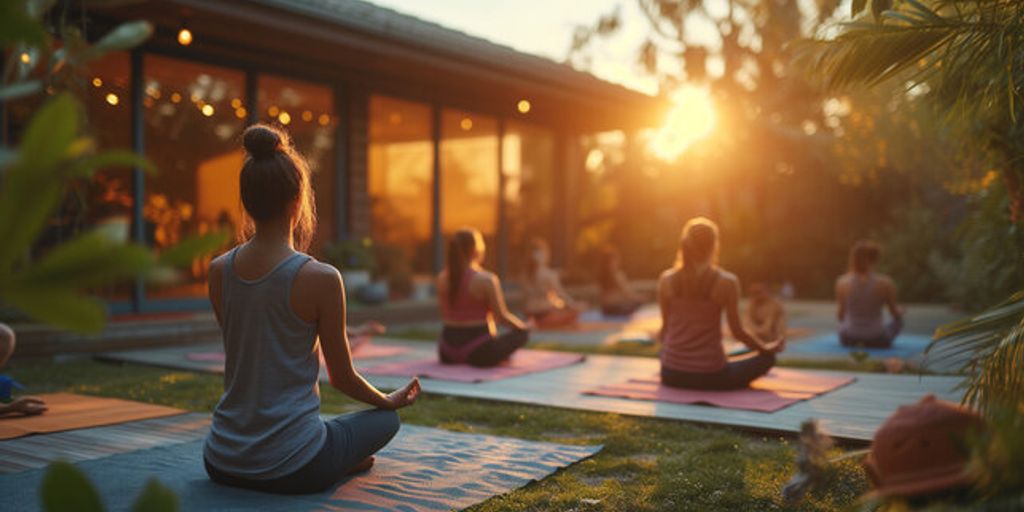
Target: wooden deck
{"x": 851, "y": 413}
{"x": 38, "y": 451}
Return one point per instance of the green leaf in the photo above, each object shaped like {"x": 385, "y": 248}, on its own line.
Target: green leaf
{"x": 156, "y": 498}
{"x": 125, "y": 37}
{"x": 20, "y": 89}
{"x": 16, "y": 26}
{"x": 50, "y": 133}
{"x": 89, "y": 260}
{"x": 66, "y": 489}
{"x": 191, "y": 248}
{"x": 26, "y": 203}
{"x": 60, "y": 308}
{"x": 115, "y": 158}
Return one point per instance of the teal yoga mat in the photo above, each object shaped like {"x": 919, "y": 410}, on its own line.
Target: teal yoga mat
{"x": 905, "y": 346}
{"x": 421, "y": 469}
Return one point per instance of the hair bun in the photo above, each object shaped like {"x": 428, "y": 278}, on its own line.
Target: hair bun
{"x": 261, "y": 141}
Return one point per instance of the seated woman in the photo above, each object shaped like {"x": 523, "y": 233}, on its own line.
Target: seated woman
{"x": 23, "y": 406}
{"x": 471, "y": 300}
{"x": 547, "y": 302}
{"x": 274, "y": 305}
{"x": 617, "y": 297}
{"x": 861, "y": 295}
{"x": 765, "y": 314}
{"x": 691, "y": 296}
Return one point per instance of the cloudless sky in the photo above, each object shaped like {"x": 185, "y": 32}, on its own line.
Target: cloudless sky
{"x": 544, "y": 27}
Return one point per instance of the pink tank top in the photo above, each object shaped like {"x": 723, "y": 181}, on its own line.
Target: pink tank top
{"x": 466, "y": 307}
{"x": 692, "y": 335}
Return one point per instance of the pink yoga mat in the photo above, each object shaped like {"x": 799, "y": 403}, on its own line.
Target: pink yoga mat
{"x": 365, "y": 351}
{"x": 780, "y": 388}
{"x": 523, "y": 362}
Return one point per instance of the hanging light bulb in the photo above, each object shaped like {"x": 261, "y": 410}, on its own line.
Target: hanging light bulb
{"x": 184, "y": 35}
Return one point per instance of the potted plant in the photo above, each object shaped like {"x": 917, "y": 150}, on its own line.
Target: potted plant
{"x": 355, "y": 259}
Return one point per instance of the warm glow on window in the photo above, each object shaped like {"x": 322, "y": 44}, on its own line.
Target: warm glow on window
{"x": 113, "y": 99}
{"x": 523, "y": 106}
{"x": 207, "y": 110}
{"x": 184, "y": 37}
{"x": 690, "y": 119}
{"x": 97, "y": 82}
{"x": 285, "y": 118}
{"x": 466, "y": 124}
{"x": 324, "y": 119}
{"x": 175, "y": 98}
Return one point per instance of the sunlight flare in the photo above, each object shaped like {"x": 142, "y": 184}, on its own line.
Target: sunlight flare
{"x": 691, "y": 118}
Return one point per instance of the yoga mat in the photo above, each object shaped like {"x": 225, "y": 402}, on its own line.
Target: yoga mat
{"x": 69, "y": 411}
{"x": 905, "y": 346}
{"x": 365, "y": 351}
{"x": 522, "y": 362}
{"x": 780, "y": 388}
{"x": 421, "y": 469}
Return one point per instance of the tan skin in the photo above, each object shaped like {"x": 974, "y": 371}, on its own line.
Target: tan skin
{"x": 23, "y": 406}
{"x": 885, "y": 287}
{"x": 726, "y": 293}
{"x": 487, "y": 287}
{"x": 317, "y": 296}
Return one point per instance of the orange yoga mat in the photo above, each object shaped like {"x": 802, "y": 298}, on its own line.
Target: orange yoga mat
{"x": 69, "y": 411}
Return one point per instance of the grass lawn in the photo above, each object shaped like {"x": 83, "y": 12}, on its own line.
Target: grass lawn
{"x": 646, "y": 463}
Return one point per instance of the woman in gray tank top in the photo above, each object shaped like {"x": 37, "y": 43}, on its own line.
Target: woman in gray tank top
{"x": 278, "y": 308}
{"x": 861, "y": 295}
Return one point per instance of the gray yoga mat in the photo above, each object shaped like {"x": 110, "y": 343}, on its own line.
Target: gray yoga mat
{"x": 421, "y": 469}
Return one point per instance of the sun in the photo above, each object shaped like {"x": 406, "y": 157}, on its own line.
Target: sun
{"x": 691, "y": 118}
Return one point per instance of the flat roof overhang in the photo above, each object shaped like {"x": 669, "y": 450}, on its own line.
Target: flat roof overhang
{"x": 479, "y": 76}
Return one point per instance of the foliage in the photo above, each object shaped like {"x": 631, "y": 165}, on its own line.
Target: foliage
{"x": 66, "y": 489}
{"x": 53, "y": 153}
{"x": 351, "y": 254}
{"x": 918, "y": 249}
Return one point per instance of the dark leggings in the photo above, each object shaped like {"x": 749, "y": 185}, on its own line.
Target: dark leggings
{"x": 620, "y": 308}
{"x": 491, "y": 353}
{"x": 737, "y": 374}
{"x": 351, "y": 439}
{"x": 892, "y": 330}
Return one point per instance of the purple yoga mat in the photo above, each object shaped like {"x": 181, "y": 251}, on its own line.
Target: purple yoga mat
{"x": 366, "y": 351}
{"x": 523, "y": 362}
{"x": 781, "y": 388}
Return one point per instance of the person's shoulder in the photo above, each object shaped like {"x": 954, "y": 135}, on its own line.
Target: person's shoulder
{"x": 727, "y": 277}
{"x": 885, "y": 280}
{"x": 843, "y": 278}
{"x": 319, "y": 275}
{"x": 668, "y": 273}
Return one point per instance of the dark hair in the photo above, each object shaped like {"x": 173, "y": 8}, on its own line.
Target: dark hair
{"x": 536, "y": 244}
{"x": 863, "y": 255}
{"x": 460, "y": 249}
{"x": 607, "y": 265}
{"x": 698, "y": 243}
{"x": 275, "y": 182}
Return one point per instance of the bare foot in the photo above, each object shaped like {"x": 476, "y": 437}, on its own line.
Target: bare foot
{"x": 363, "y": 466}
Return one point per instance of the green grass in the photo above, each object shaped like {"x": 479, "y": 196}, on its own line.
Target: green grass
{"x": 646, "y": 463}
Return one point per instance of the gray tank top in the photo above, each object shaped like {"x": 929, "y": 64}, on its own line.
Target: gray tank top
{"x": 267, "y": 424}
{"x": 864, "y": 304}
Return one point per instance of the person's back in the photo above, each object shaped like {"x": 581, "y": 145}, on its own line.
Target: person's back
{"x": 862, "y": 295}
{"x": 267, "y": 424}
{"x": 692, "y": 333}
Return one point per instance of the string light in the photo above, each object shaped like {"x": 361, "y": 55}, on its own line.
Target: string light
{"x": 112, "y": 99}
{"x": 175, "y": 97}
{"x": 285, "y": 118}
{"x": 236, "y": 103}
{"x": 97, "y": 82}
{"x": 324, "y": 119}
{"x": 466, "y": 124}
{"x": 523, "y": 106}
{"x": 240, "y": 112}
{"x": 207, "y": 110}
{"x": 307, "y": 116}
{"x": 26, "y": 58}
{"x": 184, "y": 36}
{"x": 273, "y": 111}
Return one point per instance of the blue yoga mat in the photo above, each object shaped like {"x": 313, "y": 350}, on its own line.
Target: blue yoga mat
{"x": 421, "y": 469}
{"x": 905, "y": 346}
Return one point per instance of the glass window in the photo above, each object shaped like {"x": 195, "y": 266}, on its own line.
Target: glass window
{"x": 306, "y": 111}
{"x": 400, "y": 176}
{"x": 529, "y": 157}
{"x": 106, "y": 200}
{"x": 194, "y": 115}
{"x": 469, "y": 174}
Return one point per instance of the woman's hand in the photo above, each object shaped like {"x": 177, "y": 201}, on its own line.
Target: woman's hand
{"x": 407, "y": 395}
{"x": 776, "y": 346}
{"x": 27, "y": 405}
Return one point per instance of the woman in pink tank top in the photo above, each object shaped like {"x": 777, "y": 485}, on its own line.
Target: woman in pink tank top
{"x": 471, "y": 301}
{"x": 692, "y": 296}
